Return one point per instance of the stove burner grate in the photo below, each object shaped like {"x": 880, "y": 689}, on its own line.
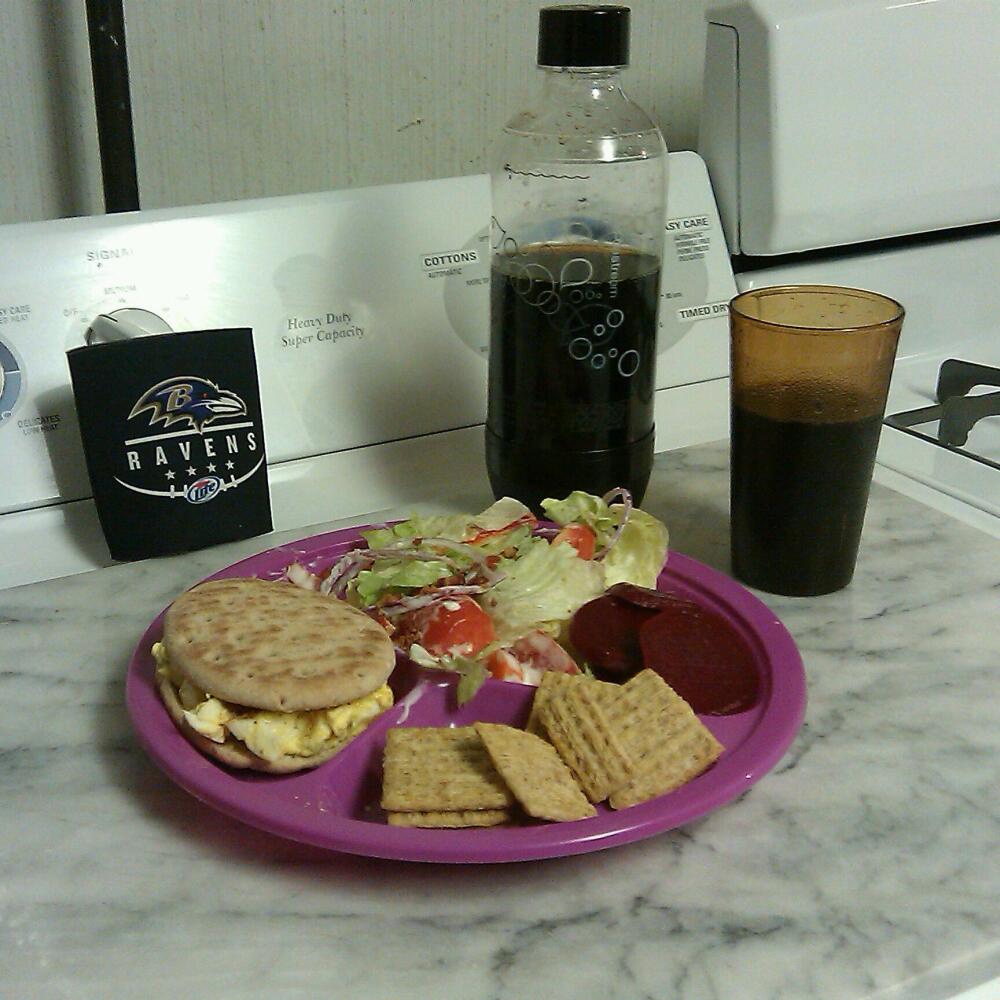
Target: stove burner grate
{"x": 956, "y": 413}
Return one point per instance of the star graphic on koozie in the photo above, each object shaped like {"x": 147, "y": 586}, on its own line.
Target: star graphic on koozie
{"x": 169, "y": 474}
{"x": 210, "y": 467}
{"x": 191, "y": 471}
{"x": 230, "y": 466}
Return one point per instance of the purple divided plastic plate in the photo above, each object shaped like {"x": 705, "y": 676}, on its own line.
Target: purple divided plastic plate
{"x": 336, "y": 806}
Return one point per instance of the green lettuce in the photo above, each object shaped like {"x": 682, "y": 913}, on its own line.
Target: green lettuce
{"x": 516, "y": 538}
{"x": 638, "y": 555}
{"x": 471, "y": 671}
{"x": 395, "y": 575}
{"x": 587, "y": 509}
{"x": 453, "y": 526}
{"x": 542, "y": 588}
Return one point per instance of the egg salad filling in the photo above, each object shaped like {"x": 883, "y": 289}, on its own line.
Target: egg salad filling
{"x": 270, "y": 735}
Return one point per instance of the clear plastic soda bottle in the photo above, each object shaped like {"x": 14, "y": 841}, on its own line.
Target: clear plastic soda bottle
{"x": 579, "y": 197}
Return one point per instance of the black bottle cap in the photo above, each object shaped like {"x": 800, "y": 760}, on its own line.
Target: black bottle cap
{"x": 583, "y": 35}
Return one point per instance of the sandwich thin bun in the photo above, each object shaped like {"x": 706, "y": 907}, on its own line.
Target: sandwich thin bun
{"x": 271, "y": 645}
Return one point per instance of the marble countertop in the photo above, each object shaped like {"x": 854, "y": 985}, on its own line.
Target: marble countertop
{"x": 867, "y": 864}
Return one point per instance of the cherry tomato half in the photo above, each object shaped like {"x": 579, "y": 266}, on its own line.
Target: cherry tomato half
{"x": 529, "y": 658}
{"x": 580, "y": 537}
{"x": 456, "y": 627}
{"x": 505, "y": 666}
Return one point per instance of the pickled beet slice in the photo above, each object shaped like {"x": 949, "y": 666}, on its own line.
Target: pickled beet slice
{"x": 605, "y": 632}
{"x": 642, "y": 597}
{"x": 702, "y": 657}
{"x": 696, "y": 651}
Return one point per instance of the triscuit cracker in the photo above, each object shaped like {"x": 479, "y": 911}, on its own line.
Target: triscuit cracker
{"x": 668, "y": 744}
{"x": 439, "y": 770}
{"x": 453, "y": 819}
{"x": 551, "y": 682}
{"x": 535, "y": 773}
{"x": 578, "y": 728}
{"x": 689, "y": 754}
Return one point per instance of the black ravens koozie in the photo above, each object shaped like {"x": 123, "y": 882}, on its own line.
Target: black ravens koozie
{"x": 174, "y": 440}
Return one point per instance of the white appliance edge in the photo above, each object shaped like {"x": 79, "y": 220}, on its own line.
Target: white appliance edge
{"x": 370, "y": 316}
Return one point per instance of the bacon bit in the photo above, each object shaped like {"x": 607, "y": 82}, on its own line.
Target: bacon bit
{"x": 455, "y": 580}
{"x": 385, "y": 622}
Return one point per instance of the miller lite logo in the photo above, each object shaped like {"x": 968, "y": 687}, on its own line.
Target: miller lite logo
{"x": 187, "y": 441}
{"x": 203, "y": 490}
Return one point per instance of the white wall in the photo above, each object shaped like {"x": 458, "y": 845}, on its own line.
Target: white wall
{"x": 247, "y": 98}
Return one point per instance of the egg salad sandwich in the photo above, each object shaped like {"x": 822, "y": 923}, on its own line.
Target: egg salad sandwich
{"x": 267, "y": 676}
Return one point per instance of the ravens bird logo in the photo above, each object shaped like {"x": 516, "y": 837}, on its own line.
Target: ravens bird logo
{"x": 191, "y": 400}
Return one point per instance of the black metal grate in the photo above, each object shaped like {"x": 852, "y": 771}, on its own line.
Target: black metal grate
{"x": 955, "y": 413}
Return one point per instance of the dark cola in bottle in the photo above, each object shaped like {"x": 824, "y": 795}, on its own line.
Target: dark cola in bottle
{"x": 579, "y": 188}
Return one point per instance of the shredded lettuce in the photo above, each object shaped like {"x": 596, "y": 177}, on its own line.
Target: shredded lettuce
{"x": 639, "y": 554}
{"x": 542, "y": 585}
{"x": 517, "y": 538}
{"x": 453, "y": 526}
{"x": 394, "y": 575}
{"x": 641, "y": 549}
{"x": 457, "y": 527}
{"x": 499, "y": 515}
{"x": 587, "y": 509}
{"x": 542, "y": 588}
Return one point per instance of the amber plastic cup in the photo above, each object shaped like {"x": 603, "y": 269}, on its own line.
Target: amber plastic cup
{"x": 810, "y": 373}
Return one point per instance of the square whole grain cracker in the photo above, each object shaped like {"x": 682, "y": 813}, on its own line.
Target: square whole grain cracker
{"x": 535, "y": 773}
{"x": 578, "y": 728}
{"x": 668, "y": 744}
{"x": 553, "y": 681}
{"x": 453, "y": 819}
{"x": 439, "y": 770}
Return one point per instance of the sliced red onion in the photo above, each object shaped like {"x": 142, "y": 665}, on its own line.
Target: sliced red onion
{"x": 339, "y": 588}
{"x": 351, "y": 563}
{"x": 626, "y": 498}
{"x": 414, "y": 601}
{"x": 545, "y": 531}
{"x": 469, "y": 551}
{"x": 456, "y": 590}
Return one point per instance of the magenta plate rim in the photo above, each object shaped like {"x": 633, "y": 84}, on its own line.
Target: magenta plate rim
{"x": 777, "y": 720}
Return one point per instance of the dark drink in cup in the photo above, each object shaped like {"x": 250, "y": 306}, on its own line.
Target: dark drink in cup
{"x": 810, "y": 374}
{"x": 799, "y": 490}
